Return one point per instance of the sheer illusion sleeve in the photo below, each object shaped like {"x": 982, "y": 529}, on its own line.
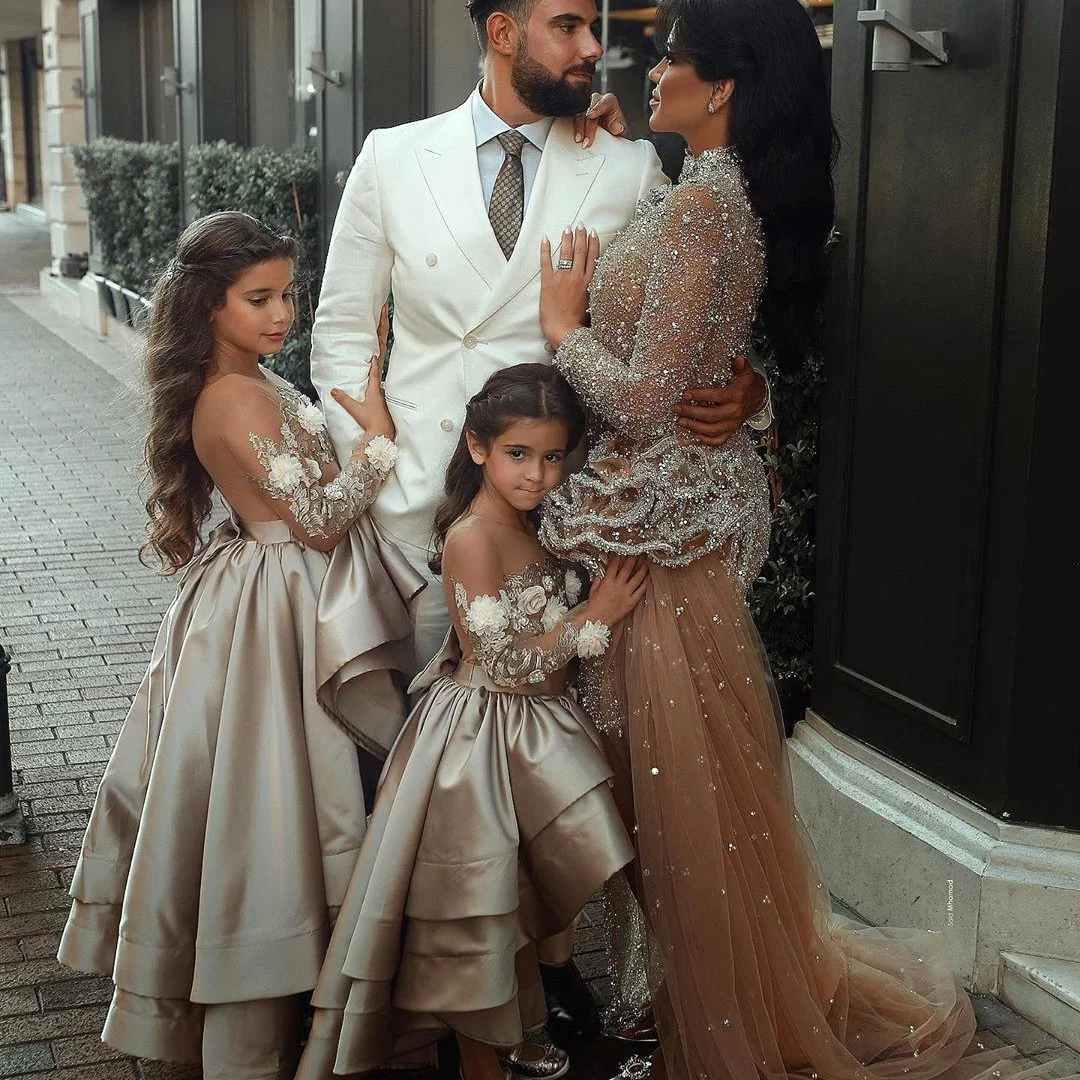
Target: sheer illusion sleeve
{"x": 684, "y": 325}
{"x": 322, "y": 509}
{"x": 287, "y": 456}
{"x": 519, "y": 637}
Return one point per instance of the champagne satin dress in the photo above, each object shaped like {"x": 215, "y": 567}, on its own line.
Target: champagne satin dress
{"x": 230, "y": 814}
{"x": 493, "y": 825}
{"x": 751, "y": 975}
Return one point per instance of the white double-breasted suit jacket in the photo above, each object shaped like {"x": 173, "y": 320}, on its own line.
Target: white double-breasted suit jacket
{"x": 413, "y": 221}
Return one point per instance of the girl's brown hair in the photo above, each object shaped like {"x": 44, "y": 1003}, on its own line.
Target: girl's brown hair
{"x": 211, "y": 254}
{"x": 521, "y": 392}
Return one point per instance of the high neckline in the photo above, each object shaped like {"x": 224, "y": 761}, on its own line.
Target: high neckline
{"x": 715, "y": 159}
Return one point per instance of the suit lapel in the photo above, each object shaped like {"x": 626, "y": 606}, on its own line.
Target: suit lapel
{"x": 563, "y": 182}
{"x": 449, "y": 166}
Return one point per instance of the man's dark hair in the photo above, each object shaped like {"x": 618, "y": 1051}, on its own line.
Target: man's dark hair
{"x": 479, "y": 10}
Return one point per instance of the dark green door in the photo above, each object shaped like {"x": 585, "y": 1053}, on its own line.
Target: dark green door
{"x": 941, "y": 363}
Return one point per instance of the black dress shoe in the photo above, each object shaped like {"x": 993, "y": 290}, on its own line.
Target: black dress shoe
{"x": 572, "y": 1011}
{"x": 639, "y": 1029}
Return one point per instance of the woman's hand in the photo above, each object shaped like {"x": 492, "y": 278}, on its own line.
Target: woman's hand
{"x": 371, "y": 413}
{"x": 605, "y": 112}
{"x": 564, "y": 287}
{"x": 620, "y": 590}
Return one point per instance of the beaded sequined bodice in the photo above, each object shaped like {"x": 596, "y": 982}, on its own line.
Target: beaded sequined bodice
{"x": 674, "y": 298}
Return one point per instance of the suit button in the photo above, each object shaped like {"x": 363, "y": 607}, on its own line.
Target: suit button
{"x": 432, "y": 259}
{"x": 447, "y": 425}
{"x": 469, "y": 342}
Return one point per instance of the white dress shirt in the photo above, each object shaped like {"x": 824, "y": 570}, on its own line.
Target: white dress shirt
{"x": 489, "y": 152}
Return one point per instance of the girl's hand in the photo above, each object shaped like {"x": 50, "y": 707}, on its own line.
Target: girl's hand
{"x": 564, "y": 287}
{"x": 384, "y": 334}
{"x": 604, "y": 112}
{"x": 620, "y": 590}
{"x": 371, "y": 413}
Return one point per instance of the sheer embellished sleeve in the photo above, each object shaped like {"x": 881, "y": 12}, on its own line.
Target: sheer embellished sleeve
{"x": 695, "y": 285}
{"x": 321, "y": 508}
{"x": 519, "y": 633}
{"x": 287, "y": 456}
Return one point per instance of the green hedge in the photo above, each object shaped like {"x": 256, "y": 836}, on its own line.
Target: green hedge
{"x": 136, "y": 233}
{"x": 132, "y": 194}
{"x": 782, "y": 599}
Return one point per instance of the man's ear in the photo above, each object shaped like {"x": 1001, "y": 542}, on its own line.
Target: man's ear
{"x": 503, "y": 33}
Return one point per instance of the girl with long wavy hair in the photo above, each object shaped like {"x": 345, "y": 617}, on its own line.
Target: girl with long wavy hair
{"x": 751, "y": 976}
{"x": 229, "y": 817}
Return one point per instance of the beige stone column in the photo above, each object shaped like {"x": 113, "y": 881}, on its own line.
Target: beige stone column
{"x": 14, "y": 122}
{"x": 65, "y": 126}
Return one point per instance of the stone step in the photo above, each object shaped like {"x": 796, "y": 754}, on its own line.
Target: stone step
{"x": 1044, "y": 989}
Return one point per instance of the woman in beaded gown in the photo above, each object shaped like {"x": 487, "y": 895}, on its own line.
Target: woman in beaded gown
{"x": 751, "y": 975}
{"x": 231, "y": 811}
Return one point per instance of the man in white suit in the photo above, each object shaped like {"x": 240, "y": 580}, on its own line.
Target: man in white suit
{"x": 448, "y": 213}
{"x": 414, "y": 219}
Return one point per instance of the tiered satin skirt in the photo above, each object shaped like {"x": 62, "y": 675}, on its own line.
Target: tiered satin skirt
{"x": 230, "y": 815}
{"x": 494, "y": 824}
{"x": 752, "y": 975}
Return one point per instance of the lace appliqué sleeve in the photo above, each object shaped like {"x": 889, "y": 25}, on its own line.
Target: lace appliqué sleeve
{"x": 514, "y": 657}
{"x": 320, "y": 509}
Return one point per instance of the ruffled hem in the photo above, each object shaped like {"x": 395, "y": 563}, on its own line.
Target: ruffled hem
{"x": 437, "y": 930}
{"x": 667, "y": 500}
{"x": 228, "y": 821}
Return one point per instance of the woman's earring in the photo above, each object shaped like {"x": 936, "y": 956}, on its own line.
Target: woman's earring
{"x": 711, "y": 107}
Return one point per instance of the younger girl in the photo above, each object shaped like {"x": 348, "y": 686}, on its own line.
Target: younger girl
{"x": 227, "y": 823}
{"x": 494, "y": 822}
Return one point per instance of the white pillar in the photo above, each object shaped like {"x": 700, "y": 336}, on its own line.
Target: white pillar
{"x": 65, "y": 126}
{"x": 14, "y": 123}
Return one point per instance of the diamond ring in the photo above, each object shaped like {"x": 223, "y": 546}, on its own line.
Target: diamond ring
{"x": 565, "y": 264}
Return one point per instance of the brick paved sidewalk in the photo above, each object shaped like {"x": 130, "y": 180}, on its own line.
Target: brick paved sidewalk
{"x": 78, "y": 614}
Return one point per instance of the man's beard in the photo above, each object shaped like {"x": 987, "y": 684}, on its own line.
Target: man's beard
{"x": 546, "y": 94}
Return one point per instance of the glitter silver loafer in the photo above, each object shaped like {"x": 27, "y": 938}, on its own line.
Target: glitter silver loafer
{"x": 554, "y": 1063}
{"x": 634, "y": 1068}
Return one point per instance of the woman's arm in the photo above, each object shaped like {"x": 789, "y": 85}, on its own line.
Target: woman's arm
{"x": 692, "y": 300}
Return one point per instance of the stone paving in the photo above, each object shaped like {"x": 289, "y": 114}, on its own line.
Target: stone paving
{"x": 78, "y": 613}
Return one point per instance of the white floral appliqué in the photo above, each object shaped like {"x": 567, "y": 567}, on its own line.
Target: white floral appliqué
{"x": 487, "y": 615}
{"x": 532, "y": 600}
{"x": 381, "y": 452}
{"x": 285, "y": 471}
{"x": 573, "y": 586}
{"x": 554, "y": 610}
{"x": 593, "y": 640}
{"x": 311, "y": 419}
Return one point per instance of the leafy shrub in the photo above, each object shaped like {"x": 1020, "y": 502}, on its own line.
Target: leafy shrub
{"x": 782, "y": 599}
{"x": 132, "y": 193}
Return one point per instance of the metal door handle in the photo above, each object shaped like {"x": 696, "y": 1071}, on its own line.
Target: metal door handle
{"x": 894, "y": 38}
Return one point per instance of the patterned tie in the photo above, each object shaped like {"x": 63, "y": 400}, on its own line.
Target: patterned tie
{"x": 507, "y": 209}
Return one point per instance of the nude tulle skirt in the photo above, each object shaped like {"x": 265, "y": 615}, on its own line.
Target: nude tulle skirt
{"x": 752, "y": 975}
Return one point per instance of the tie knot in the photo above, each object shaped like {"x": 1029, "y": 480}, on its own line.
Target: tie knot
{"x": 513, "y": 142}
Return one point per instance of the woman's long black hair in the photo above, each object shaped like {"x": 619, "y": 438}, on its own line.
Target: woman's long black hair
{"x": 520, "y": 392}
{"x": 784, "y": 134}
